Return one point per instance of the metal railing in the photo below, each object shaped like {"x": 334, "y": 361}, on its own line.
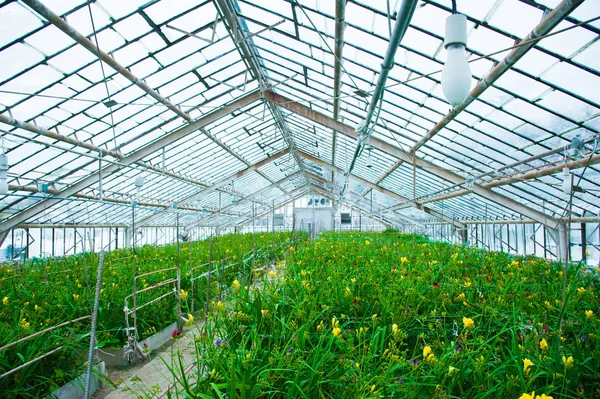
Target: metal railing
{"x": 51, "y": 352}
{"x": 131, "y": 348}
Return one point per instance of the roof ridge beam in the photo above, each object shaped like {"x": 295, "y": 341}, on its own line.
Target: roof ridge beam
{"x": 387, "y": 192}
{"x": 548, "y": 23}
{"x": 445, "y": 174}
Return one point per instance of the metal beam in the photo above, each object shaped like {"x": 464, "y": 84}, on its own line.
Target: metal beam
{"x": 61, "y": 24}
{"x": 587, "y": 219}
{"x": 382, "y": 190}
{"x": 519, "y": 177}
{"x": 549, "y": 22}
{"x": 35, "y": 189}
{"x": 129, "y": 159}
{"x": 228, "y": 10}
{"x": 200, "y": 194}
{"x": 91, "y": 147}
{"x": 430, "y": 167}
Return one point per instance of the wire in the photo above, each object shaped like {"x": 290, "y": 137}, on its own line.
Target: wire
{"x": 112, "y": 121}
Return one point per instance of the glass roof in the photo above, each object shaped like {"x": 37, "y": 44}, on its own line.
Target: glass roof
{"x": 184, "y": 102}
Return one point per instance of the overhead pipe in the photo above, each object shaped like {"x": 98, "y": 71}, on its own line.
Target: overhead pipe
{"x": 580, "y": 163}
{"x": 340, "y": 27}
{"x": 35, "y": 189}
{"x": 407, "y": 9}
{"x": 548, "y": 23}
{"x": 585, "y": 219}
{"x": 61, "y": 24}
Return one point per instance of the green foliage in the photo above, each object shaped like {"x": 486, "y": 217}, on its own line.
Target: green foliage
{"x": 391, "y": 316}
{"x": 47, "y": 292}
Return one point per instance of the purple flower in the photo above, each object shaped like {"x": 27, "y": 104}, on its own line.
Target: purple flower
{"x": 583, "y": 337}
{"x": 414, "y": 362}
{"x": 458, "y": 348}
{"x": 399, "y": 380}
{"x": 220, "y": 341}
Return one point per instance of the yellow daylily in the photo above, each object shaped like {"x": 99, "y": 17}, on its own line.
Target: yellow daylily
{"x": 526, "y": 364}
{"x": 183, "y": 294}
{"x": 588, "y": 314}
{"x": 337, "y": 332}
{"x": 236, "y": 285}
{"x": 543, "y": 344}
{"x": 394, "y": 329}
{"x": 568, "y": 362}
{"x": 468, "y": 323}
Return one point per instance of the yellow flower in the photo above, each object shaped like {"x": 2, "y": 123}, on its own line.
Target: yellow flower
{"x": 5, "y": 301}
{"x": 183, "y": 294}
{"x": 528, "y": 396}
{"x": 580, "y": 290}
{"x": 548, "y": 305}
{"x": 353, "y": 280}
{"x": 236, "y": 285}
{"x": 249, "y": 356}
{"x": 451, "y": 370}
{"x": 334, "y": 322}
{"x": 264, "y": 312}
{"x": 461, "y": 296}
{"x": 404, "y": 259}
{"x": 426, "y": 351}
{"x": 544, "y": 396}
{"x": 76, "y": 297}
{"x": 468, "y": 323}
{"x": 368, "y": 242}
{"x": 24, "y": 324}
{"x": 374, "y": 317}
{"x": 320, "y": 326}
{"x": 394, "y": 329}
{"x": 568, "y": 362}
{"x": 38, "y": 308}
{"x": 348, "y": 292}
{"x": 337, "y": 331}
{"x": 526, "y": 364}
{"x": 543, "y": 344}
{"x": 272, "y": 273}
{"x": 190, "y": 320}
{"x": 468, "y": 283}
{"x": 589, "y": 314}
{"x": 220, "y": 306}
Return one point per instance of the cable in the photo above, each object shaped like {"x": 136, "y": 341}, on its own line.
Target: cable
{"x": 112, "y": 121}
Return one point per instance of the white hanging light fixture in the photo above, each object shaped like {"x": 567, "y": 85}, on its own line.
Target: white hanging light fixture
{"x": 566, "y": 183}
{"x": 456, "y": 75}
{"x": 139, "y": 183}
{"x": 3, "y": 173}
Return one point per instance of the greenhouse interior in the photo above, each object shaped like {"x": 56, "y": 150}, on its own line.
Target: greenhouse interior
{"x": 300, "y": 199}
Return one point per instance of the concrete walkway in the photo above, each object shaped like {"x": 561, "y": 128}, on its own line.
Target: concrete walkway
{"x": 154, "y": 377}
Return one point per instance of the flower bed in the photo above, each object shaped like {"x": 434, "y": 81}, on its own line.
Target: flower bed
{"x": 387, "y": 315}
{"x": 52, "y": 291}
